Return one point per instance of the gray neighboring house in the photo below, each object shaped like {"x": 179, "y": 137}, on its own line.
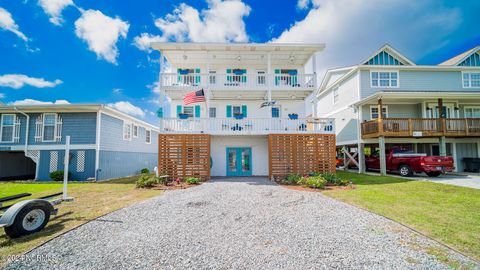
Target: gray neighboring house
{"x": 105, "y": 143}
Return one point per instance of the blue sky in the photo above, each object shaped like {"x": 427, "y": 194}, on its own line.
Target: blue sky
{"x": 82, "y": 51}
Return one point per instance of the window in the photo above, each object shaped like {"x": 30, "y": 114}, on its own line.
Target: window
{"x": 237, "y": 110}
{"x": 261, "y": 77}
{"x": 472, "y": 112}
{"x": 335, "y": 95}
{"x": 135, "y": 131}
{"x": 212, "y": 112}
{"x": 127, "y": 131}
{"x": 148, "y": 136}
{"x": 275, "y": 112}
{"x": 7, "y": 127}
{"x": 384, "y": 79}
{"x": 374, "y": 112}
{"x": 189, "y": 110}
{"x": 471, "y": 80}
{"x": 49, "y": 124}
{"x": 213, "y": 77}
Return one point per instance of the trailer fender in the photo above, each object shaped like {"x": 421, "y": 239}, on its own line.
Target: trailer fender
{"x": 9, "y": 216}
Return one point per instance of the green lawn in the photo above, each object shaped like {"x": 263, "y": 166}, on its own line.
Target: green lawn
{"x": 91, "y": 200}
{"x": 447, "y": 213}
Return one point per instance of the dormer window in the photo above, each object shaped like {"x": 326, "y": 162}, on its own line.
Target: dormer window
{"x": 384, "y": 79}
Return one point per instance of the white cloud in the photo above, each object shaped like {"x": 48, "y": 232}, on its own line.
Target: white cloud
{"x": 101, "y": 32}
{"x": 222, "y": 21}
{"x": 127, "y": 107}
{"x": 143, "y": 41}
{"x": 28, "y": 101}
{"x": 117, "y": 90}
{"x": 353, "y": 30}
{"x": 2, "y": 95}
{"x": 54, "y": 9}
{"x": 19, "y": 80}
{"x": 8, "y": 24}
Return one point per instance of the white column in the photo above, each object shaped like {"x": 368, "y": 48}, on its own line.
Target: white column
{"x": 206, "y": 90}
{"x": 162, "y": 67}
{"x": 270, "y": 77}
{"x": 65, "y": 167}
{"x": 361, "y": 157}
{"x": 454, "y": 155}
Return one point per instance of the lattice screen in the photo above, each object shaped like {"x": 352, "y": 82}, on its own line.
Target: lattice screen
{"x": 53, "y": 161}
{"x": 80, "y": 161}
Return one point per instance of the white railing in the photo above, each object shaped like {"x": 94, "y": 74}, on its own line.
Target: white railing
{"x": 232, "y": 81}
{"x": 247, "y": 126}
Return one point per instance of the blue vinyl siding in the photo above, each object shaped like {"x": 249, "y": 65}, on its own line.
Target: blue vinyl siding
{"x": 385, "y": 59}
{"x": 111, "y": 137}
{"x": 114, "y": 164}
{"x": 471, "y": 61}
{"x": 44, "y": 167}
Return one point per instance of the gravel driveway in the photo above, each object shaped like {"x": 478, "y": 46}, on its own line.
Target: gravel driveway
{"x": 239, "y": 223}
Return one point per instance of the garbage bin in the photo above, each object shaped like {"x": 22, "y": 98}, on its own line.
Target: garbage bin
{"x": 471, "y": 164}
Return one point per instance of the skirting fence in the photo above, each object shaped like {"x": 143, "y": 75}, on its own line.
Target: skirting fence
{"x": 300, "y": 153}
{"x": 184, "y": 155}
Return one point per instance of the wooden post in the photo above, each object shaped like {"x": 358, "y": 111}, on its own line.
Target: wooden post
{"x": 442, "y": 146}
{"x": 345, "y": 167}
{"x": 380, "y": 116}
{"x": 270, "y": 176}
{"x": 383, "y": 160}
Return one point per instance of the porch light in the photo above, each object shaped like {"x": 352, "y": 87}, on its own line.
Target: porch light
{"x": 429, "y": 109}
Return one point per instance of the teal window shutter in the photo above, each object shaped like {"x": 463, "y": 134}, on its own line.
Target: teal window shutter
{"x": 179, "y": 77}
{"x": 244, "y": 77}
{"x": 197, "y": 111}
{"x": 197, "y": 77}
{"x": 229, "y": 78}
{"x": 294, "y": 79}
{"x": 277, "y": 78}
{"x": 244, "y": 110}
{"x": 229, "y": 111}
{"x": 179, "y": 109}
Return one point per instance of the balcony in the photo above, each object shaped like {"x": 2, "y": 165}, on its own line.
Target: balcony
{"x": 176, "y": 81}
{"x": 247, "y": 126}
{"x": 421, "y": 127}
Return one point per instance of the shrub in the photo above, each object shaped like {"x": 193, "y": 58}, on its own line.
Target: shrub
{"x": 144, "y": 170}
{"x": 343, "y": 182}
{"x": 315, "y": 182}
{"x": 146, "y": 181}
{"x": 192, "y": 181}
{"x": 58, "y": 175}
{"x": 292, "y": 179}
{"x": 331, "y": 178}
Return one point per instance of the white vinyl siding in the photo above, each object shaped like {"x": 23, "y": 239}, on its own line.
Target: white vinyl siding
{"x": 374, "y": 112}
{"x": 335, "y": 94}
{"x": 471, "y": 79}
{"x": 385, "y": 79}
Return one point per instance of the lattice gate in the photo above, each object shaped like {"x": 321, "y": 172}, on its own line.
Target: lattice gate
{"x": 184, "y": 155}
{"x": 300, "y": 153}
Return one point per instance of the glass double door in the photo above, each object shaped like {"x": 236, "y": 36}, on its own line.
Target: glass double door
{"x": 239, "y": 161}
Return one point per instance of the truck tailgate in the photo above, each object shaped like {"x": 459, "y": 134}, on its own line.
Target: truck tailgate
{"x": 437, "y": 161}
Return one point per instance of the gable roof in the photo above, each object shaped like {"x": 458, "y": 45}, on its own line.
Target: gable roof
{"x": 388, "y": 56}
{"x": 459, "y": 59}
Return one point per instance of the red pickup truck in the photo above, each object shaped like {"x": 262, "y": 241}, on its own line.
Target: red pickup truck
{"x": 406, "y": 163}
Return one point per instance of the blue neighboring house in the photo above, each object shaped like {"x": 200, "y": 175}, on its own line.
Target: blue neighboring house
{"x": 105, "y": 143}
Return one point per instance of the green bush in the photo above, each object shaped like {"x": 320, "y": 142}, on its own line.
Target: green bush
{"x": 144, "y": 170}
{"x": 292, "y": 179}
{"x": 315, "y": 182}
{"x": 331, "y": 178}
{"x": 58, "y": 175}
{"x": 146, "y": 181}
{"x": 192, "y": 181}
{"x": 343, "y": 182}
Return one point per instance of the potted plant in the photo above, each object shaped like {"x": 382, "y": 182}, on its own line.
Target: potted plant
{"x": 183, "y": 116}
{"x": 293, "y": 116}
{"x": 238, "y": 116}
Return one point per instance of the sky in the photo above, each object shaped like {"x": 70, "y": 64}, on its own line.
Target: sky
{"x": 79, "y": 51}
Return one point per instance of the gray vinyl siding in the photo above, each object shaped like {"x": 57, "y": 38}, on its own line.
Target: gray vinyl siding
{"x": 114, "y": 164}
{"x": 396, "y": 111}
{"x": 346, "y": 126}
{"x": 111, "y": 137}
{"x": 465, "y": 150}
{"x": 418, "y": 80}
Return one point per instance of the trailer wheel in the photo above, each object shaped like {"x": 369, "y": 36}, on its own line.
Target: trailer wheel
{"x": 433, "y": 174}
{"x": 32, "y": 218}
{"x": 405, "y": 170}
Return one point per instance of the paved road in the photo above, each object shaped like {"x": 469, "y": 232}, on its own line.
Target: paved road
{"x": 242, "y": 223}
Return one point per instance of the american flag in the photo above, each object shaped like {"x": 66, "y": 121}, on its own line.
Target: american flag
{"x": 193, "y": 97}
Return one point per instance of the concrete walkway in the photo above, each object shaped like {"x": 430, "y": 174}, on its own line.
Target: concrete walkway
{"x": 471, "y": 181}
{"x": 239, "y": 223}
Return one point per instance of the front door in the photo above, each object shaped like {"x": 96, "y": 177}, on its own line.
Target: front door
{"x": 239, "y": 161}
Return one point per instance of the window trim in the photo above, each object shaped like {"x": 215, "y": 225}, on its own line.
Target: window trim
{"x": 469, "y": 79}
{"x": 389, "y": 80}
{"x": 123, "y": 131}
{"x": 133, "y": 130}
{"x": 13, "y": 128}
{"x": 469, "y": 107}
{"x": 150, "y": 136}
{"x": 375, "y": 106}
{"x": 54, "y": 127}
{"x": 209, "y": 112}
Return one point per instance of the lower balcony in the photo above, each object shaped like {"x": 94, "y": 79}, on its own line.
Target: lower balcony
{"x": 247, "y": 126}
{"x": 421, "y": 127}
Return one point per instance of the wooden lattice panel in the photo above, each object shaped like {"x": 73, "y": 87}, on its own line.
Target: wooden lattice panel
{"x": 300, "y": 153}
{"x": 184, "y": 155}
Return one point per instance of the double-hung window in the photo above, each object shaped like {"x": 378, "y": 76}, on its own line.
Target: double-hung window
{"x": 188, "y": 110}
{"x": 237, "y": 110}
{"x": 384, "y": 78}
{"x": 374, "y": 112}
{"x": 49, "y": 126}
{"x": 127, "y": 131}
{"x": 148, "y": 136}
{"x": 471, "y": 79}
{"x": 275, "y": 112}
{"x": 472, "y": 112}
{"x": 212, "y": 112}
{"x": 7, "y": 127}
{"x": 135, "y": 131}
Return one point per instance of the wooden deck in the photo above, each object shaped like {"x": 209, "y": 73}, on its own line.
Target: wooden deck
{"x": 421, "y": 127}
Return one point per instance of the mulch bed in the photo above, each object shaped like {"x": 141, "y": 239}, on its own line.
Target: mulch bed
{"x": 174, "y": 186}
{"x": 327, "y": 187}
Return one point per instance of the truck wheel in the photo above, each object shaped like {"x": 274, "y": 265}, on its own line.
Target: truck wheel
{"x": 405, "y": 170}
{"x": 32, "y": 218}
{"x": 433, "y": 174}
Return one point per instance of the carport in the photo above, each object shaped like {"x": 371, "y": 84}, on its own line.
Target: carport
{"x": 14, "y": 165}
